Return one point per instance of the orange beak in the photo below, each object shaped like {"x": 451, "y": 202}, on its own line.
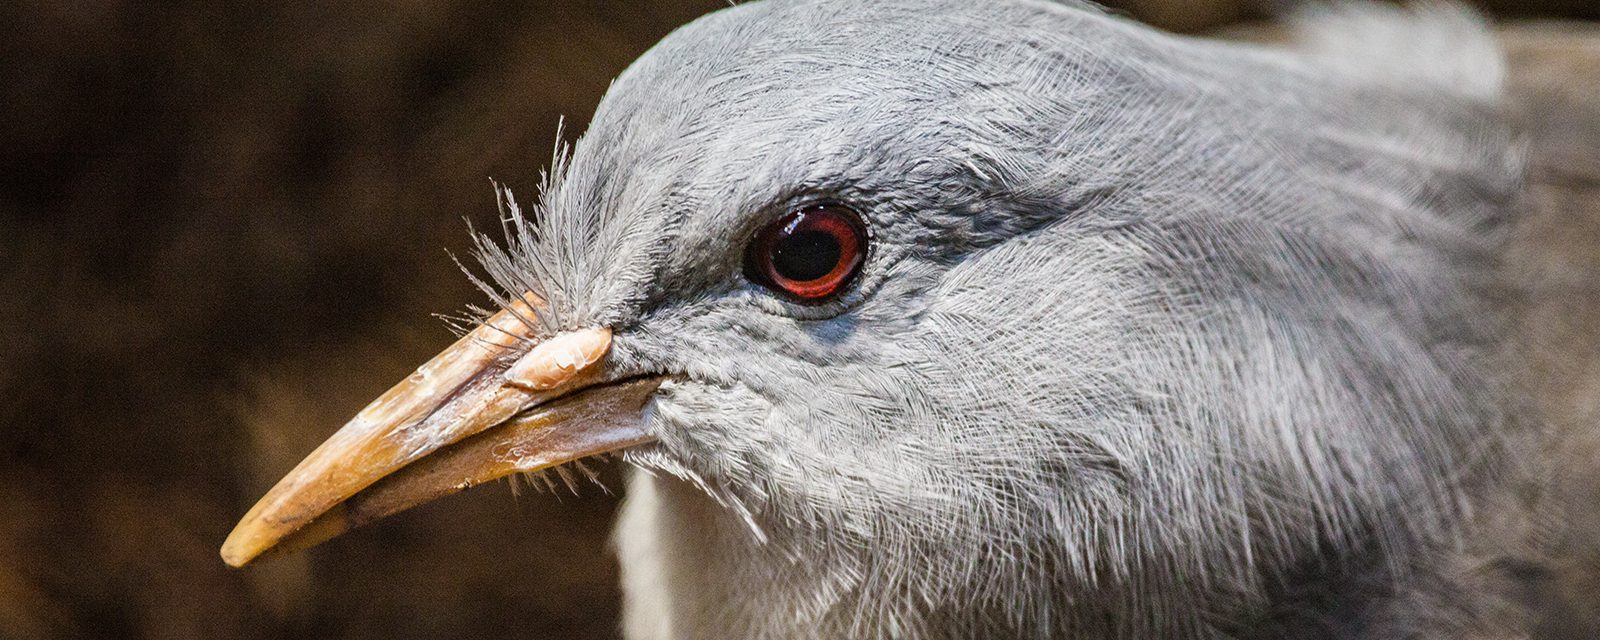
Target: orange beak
{"x": 478, "y": 411}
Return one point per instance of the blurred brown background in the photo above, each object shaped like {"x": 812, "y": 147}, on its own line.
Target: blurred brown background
{"x": 223, "y": 227}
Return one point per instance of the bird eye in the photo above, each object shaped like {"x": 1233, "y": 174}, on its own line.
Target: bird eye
{"x": 809, "y": 254}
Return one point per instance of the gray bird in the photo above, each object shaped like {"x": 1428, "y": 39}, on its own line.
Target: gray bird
{"x": 953, "y": 319}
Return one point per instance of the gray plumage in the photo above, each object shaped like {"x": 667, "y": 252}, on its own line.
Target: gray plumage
{"x": 1158, "y": 337}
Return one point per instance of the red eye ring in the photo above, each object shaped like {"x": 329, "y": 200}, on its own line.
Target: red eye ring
{"x": 809, "y": 254}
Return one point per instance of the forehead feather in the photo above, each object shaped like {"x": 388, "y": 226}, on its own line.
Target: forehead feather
{"x": 746, "y": 91}
{"x": 1045, "y": 104}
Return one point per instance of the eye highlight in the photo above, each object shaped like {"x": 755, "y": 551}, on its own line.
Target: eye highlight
{"x": 809, "y": 254}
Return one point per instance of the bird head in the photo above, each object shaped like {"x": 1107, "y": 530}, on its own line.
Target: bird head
{"x": 1021, "y": 290}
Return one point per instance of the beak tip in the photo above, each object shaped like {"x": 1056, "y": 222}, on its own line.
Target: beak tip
{"x": 245, "y": 543}
{"x": 235, "y": 556}
{"x": 267, "y": 535}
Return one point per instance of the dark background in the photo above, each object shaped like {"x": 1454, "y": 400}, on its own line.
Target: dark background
{"x": 223, "y": 227}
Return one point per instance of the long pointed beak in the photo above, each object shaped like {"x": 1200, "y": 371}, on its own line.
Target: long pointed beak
{"x": 472, "y": 414}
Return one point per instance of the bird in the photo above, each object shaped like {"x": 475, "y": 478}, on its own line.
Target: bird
{"x": 943, "y": 319}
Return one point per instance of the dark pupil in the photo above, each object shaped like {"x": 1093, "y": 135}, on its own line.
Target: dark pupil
{"x": 806, "y": 255}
